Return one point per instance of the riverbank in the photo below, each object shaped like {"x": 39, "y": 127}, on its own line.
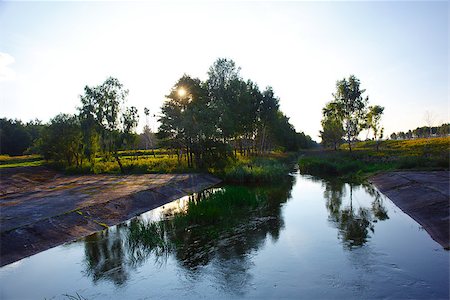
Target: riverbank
{"x": 41, "y": 208}
{"x": 424, "y": 196}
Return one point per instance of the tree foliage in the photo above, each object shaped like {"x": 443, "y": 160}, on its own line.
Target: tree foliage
{"x": 102, "y": 126}
{"x": 422, "y": 132}
{"x": 61, "y": 140}
{"x": 17, "y": 137}
{"x": 204, "y": 122}
{"x": 349, "y": 107}
{"x": 107, "y": 118}
{"x": 332, "y": 132}
{"x": 373, "y": 121}
{"x": 348, "y": 114}
{"x": 207, "y": 120}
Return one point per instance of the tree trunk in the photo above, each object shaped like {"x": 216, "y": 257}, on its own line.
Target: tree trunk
{"x": 119, "y": 162}
{"x": 349, "y": 140}
{"x": 263, "y": 139}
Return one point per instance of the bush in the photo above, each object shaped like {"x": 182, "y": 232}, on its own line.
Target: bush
{"x": 254, "y": 170}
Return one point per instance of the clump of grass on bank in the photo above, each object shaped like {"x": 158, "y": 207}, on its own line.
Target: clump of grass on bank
{"x": 364, "y": 160}
{"x": 256, "y": 169}
{"x": 209, "y": 215}
{"x": 221, "y": 206}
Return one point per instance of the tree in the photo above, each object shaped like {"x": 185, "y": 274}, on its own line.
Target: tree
{"x": 103, "y": 113}
{"x": 444, "y": 129}
{"x": 332, "y": 132}
{"x": 147, "y": 139}
{"x": 373, "y": 119}
{"x": 188, "y": 120}
{"x": 282, "y": 133}
{"x": 14, "y": 138}
{"x": 429, "y": 118}
{"x": 207, "y": 119}
{"x": 268, "y": 114}
{"x": 223, "y": 85}
{"x": 61, "y": 140}
{"x": 332, "y": 129}
{"x": 394, "y": 136}
{"x": 130, "y": 119}
{"x": 349, "y": 106}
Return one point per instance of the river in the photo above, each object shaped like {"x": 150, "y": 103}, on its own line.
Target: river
{"x": 307, "y": 238}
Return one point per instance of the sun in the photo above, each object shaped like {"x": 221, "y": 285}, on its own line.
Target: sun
{"x": 181, "y": 92}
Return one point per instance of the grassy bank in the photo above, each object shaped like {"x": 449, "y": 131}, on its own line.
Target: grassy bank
{"x": 240, "y": 169}
{"x": 256, "y": 169}
{"x": 364, "y": 160}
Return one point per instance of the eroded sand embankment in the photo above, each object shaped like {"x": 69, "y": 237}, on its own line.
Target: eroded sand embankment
{"x": 40, "y": 209}
{"x": 424, "y": 196}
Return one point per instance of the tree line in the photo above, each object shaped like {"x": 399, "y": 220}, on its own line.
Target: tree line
{"x": 204, "y": 121}
{"x": 422, "y": 132}
{"x": 16, "y": 137}
{"x": 102, "y": 126}
{"x": 225, "y": 114}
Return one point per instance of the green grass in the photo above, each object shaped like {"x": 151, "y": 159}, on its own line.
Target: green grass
{"x": 271, "y": 167}
{"x": 241, "y": 169}
{"x": 210, "y": 216}
{"x": 132, "y": 164}
{"x": 256, "y": 169}
{"x": 364, "y": 160}
{"x": 221, "y": 207}
{"x": 7, "y": 161}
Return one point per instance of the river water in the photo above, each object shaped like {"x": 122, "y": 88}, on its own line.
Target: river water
{"x": 312, "y": 239}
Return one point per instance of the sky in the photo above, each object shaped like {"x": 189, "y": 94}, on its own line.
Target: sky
{"x": 399, "y": 50}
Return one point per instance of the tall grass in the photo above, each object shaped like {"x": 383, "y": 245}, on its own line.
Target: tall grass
{"x": 271, "y": 167}
{"x": 364, "y": 160}
{"x": 221, "y": 206}
{"x": 257, "y": 169}
{"x": 134, "y": 165}
{"x": 209, "y": 215}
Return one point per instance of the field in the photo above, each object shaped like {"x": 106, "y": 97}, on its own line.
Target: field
{"x": 365, "y": 160}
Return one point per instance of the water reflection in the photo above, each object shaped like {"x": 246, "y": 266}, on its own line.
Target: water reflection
{"x": 105, "y": 256}
{"x": 354, "y": 221}
{"x": 265, "y": 247}
{"x": 223, "y": 244}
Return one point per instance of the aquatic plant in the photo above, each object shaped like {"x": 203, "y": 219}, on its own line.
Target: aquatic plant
{"x": 221, "y": 206}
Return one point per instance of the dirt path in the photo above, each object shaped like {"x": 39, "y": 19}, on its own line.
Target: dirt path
{"x": 424, "y": 196}
{"x": 40, "y": 209}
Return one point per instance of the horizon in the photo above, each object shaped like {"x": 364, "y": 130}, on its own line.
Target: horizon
{"x": 50, "y": 51}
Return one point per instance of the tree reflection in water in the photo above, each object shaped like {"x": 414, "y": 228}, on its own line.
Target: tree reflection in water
{"x": 223, "y": 244}
{"x": 105, "y": 256}
{"x": 354, "y": 223}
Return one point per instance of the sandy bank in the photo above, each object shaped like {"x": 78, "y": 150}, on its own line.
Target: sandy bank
{"x": 424, "y": 196}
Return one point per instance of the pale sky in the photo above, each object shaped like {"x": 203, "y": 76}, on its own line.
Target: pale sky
{"x": 399, "y": 50}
